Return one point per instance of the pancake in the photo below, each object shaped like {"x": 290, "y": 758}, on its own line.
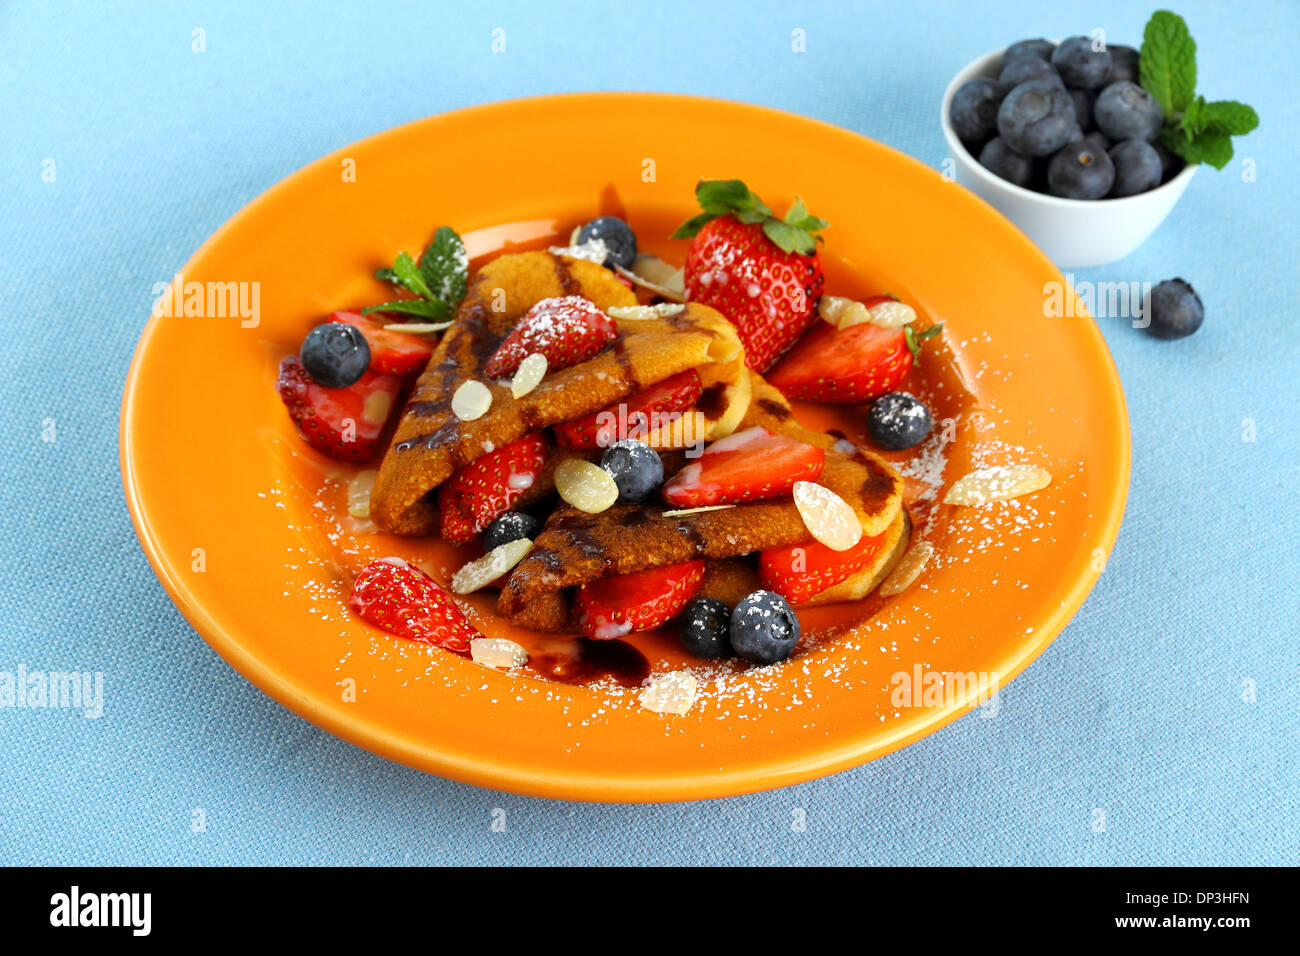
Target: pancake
{"x": 430, "y": 443}
{"x": 575, "y": 548}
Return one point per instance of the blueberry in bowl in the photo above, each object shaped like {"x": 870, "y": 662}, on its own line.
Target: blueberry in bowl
{"x": 1003, "y": 161}
{"x": 1126, "y": 111}
{"x": 1026, "y": 68}
{"x": 1080, "y": 172}
{"x": 974, "y": 112}
{"x": 1137, "y": 167}
{"x": 1081, "y": 64}
{"x": 1036, "y": 118}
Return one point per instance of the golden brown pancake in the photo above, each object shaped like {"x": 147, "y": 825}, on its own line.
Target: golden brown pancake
{"x": 575, "y": 548}
{"x": 431, "y": 443}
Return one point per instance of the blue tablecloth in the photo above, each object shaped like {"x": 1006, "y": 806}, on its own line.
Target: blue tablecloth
{"x": 1161, "y": 727}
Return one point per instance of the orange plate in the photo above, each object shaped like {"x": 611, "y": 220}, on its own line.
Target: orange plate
{"x": 213, "y": 470}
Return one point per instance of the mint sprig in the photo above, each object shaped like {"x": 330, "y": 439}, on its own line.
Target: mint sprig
{"x": 797, "y": 232}
{"x": 439, "y": 279}
{"x": 1198, "y": 131}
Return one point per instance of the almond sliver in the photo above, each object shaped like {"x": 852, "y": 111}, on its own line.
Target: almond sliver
{"x": 418, "y": 328}
{"x": 997, "y": 483}
{"x": 586, "y": 486}
{"x": 670, "y": 693}
{"x": 841, "y": 312}
{"x": 471, "y": 401}
{"x": 529, "y": 375}
{"x": 694, "y": 511}
{"x": 892, "y": 314}
{"x": 359, "y": 489}
{"x": 483, "y": 571}
{"x": 908, "y": 569}
{"x": 497, "y": 652}
{"x": 827, "y": 516}
{"x": 660, "y": 311}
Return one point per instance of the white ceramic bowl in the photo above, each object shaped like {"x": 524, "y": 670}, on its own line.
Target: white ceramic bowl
{"x": 1075, "y": 233}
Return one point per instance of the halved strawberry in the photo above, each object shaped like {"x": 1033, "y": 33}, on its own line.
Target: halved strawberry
{"x": 391, "y": 352}
{"x": 567, "y": 330}
{"x": 674, "y": 394}
{"x": 406, "y": 602}
{"x": 849, "y": 366}
{"x": 641, "y": 601}
{"x": 485, "y": 488}
{"x": 799, "y": 571}
{"x": 344, "y": 423}
{"x": 761, "y": 272}
{"x": 746, "y": 466}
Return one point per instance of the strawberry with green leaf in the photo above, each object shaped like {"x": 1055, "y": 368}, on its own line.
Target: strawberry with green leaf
{"x": 1199, "y": 131}
{"x": 439, "y": 279}
{"x": 760, "y": 271}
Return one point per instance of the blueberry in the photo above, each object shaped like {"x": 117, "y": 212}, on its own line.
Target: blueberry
{"x": 508, "y": 527}
{"x": 1001, "y": 160}
{"x": 618, "y": 237}
{"x": 1174, "y": 310}
{"x": 1040, "y": 48}
{"x": 335, "y": 354}
{"x": 636, "y": 468}
{"x": 1036, "y": 118}
{"x": 1080, "y": 172}
{"x": 973, "y": 111}
{"x": 1126, "y": 111}
{"x": 763, "y": 628}
{"x": 898, "y": 420}
{"x": 1025, "y": 68}
{"x": 1124, "y": 64}
{"x": 1098, "y": 140}
{"x": 1137, "y": 167}
{"x": 704, "y": 625}
{"x": 1080, "y": 65}
{"x": 1083, "y": 101}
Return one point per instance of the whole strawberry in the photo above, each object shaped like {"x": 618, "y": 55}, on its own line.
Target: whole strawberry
{"x": 759, "y": 271}
{"x": 406, "y": 602}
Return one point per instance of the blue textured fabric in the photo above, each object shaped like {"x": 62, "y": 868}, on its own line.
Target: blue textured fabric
{"x": 1142, "y": 710}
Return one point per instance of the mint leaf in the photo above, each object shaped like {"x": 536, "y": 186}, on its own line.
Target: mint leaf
{"x": 1194, "y": 118}
{"x": 1168, "y": 62}
{"x": 444, "y": 266}
{"x": 1212, "y": 147}
{"x": 425, "y": 308}
{"x": 409, "y": 275}
{"x": 1231, "y": 117}
{"x": 387, "y": 275}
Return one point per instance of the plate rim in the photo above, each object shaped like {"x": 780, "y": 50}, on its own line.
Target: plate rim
{"x": 622, "y": 787}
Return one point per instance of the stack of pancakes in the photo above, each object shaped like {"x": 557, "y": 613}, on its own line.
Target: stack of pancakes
{"x": 574, "y": 547}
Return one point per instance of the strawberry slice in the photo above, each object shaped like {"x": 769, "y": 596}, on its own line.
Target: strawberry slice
{"x": 799, "y": 571}
{"x": 344, "y": 423}
{"x": 485, "y": 488}
{"x": 406, "y": 602}
{"x": 631, "y": 414}
{"x": 641, "y": 601}
{"x": 567, "y": 330}
{"x": 391, "y": 352}
{"x": 746, "y": 466}
{"x": 849, "y": 366}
